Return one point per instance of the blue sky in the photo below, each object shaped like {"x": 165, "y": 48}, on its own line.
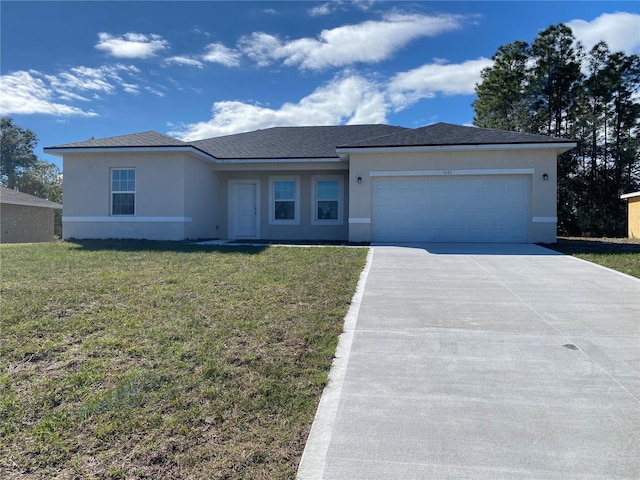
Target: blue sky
{"x": 76, "y": 70}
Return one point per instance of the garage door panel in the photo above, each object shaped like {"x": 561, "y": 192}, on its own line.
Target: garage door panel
{"x": 451, "y": 209}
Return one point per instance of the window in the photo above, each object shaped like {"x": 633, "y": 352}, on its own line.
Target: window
{"x": 123, "y": 191}
{"x": 327, "y": 200}
{"x": 284, "y": 205}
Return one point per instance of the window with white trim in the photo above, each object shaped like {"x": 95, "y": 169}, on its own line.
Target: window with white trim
{"x": 327, "y": 200}
{"x": 123, "y": 191}
{"x": 284, "y": 200}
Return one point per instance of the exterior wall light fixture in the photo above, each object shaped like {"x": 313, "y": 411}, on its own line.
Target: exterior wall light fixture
{"x": 545, "y": 177}
{"x": 359, "y": 179}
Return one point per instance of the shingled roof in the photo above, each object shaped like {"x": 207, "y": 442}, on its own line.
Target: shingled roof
{"x": 14, "y": 197}
{"x": 143, "y": 139}
{"x": 441, "y": 134}
{"x": 290, "y": 142}
{"x": 317, "y": 141}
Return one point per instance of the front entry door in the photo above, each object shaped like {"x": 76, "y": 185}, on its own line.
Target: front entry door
{"x": 243, "y": 208}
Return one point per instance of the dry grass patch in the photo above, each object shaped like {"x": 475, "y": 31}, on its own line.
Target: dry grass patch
{"x": 165, "y": 360}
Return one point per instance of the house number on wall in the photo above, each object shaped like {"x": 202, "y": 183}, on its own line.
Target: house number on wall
{"x": 447, "y": 172}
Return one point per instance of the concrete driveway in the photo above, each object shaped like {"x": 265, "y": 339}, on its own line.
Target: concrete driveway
{"x": 483, "y": 362}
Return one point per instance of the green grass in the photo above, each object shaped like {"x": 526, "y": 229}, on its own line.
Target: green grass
{"x": 622, "y": 255}
{"x": 165, "y": 360}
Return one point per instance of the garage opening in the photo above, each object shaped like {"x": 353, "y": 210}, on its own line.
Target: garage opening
{"x": 466, "y": 208}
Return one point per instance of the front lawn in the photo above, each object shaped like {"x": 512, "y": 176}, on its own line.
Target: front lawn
{"x": 165, "y": 360}
{"x": 620, "y": 254}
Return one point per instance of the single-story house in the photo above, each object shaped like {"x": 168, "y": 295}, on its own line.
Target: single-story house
{"x": 26, "y": 218}
{"x": 633, "y": 212}
{"x": 361, "y": 183}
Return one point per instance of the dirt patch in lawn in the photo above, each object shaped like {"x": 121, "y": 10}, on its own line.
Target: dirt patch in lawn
{"x": 573, "y": 245}
{"x": 621, "y": 254}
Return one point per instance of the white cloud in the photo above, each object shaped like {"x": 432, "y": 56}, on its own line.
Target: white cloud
{"x": 72, "y": 96}
{"x": 320, "y": 10}
{"x": 22, "y": 93}
{"x": 347, "y": 99}
{"x": 155, "y": 91}
{"x": 363, "y": 5}
{"x": 621, "y": 31}
{"x": 367, "y": 42}
{"x": 218, "y": 53}
{"x": 200, "y": 31}
{"x": 179, "y": 60}
{"x": 130, "y": 88}
{"x": 131, "y": 45}
{"x": 260, "y": 47}
{"x": 330, "y": 7}
{"x": 434, "y": 79}
{"x": 34, "y": 92}
{"x": 103, "y": 79}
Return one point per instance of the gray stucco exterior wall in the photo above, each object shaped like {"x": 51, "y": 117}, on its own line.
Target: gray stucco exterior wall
{"x": 22, "y": 224}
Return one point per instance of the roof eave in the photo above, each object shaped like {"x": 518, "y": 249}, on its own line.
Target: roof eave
{"x": 61, "y": 151}
{"x": 52, "y": 205}
{"x": 107, "y": 148}
{"x": 561, "y": 147}
{"x": 630, "y": 195}
{"x": 280, "y": 160}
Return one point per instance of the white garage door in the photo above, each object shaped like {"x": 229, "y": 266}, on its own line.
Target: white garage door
{"x": 488, "y": 208}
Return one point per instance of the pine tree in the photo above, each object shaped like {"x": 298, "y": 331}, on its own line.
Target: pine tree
{"x": 554, "y": 88}
{"x": 555, "y": 80}
{"x": 501, "y": 101}
{"x": 16, "y": 150}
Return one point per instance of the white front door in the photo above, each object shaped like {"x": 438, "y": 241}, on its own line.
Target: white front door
{"x": 244, "y": 217}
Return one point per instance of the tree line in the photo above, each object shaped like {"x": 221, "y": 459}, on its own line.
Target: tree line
{"x": 20, "y": 168}
{"x": 554, "y": 86}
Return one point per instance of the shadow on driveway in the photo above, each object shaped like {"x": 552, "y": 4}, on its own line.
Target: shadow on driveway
{"x": 477, "y": 248}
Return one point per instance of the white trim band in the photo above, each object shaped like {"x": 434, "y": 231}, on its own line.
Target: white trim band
{"x": 448, "y": 173}
{"x": 127, "y": 219}
{"x": 544, "y": 219}
{"x": 359, "y": 220}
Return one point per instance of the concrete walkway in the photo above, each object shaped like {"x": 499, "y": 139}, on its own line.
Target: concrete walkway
{"x": 483, "y": 362}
